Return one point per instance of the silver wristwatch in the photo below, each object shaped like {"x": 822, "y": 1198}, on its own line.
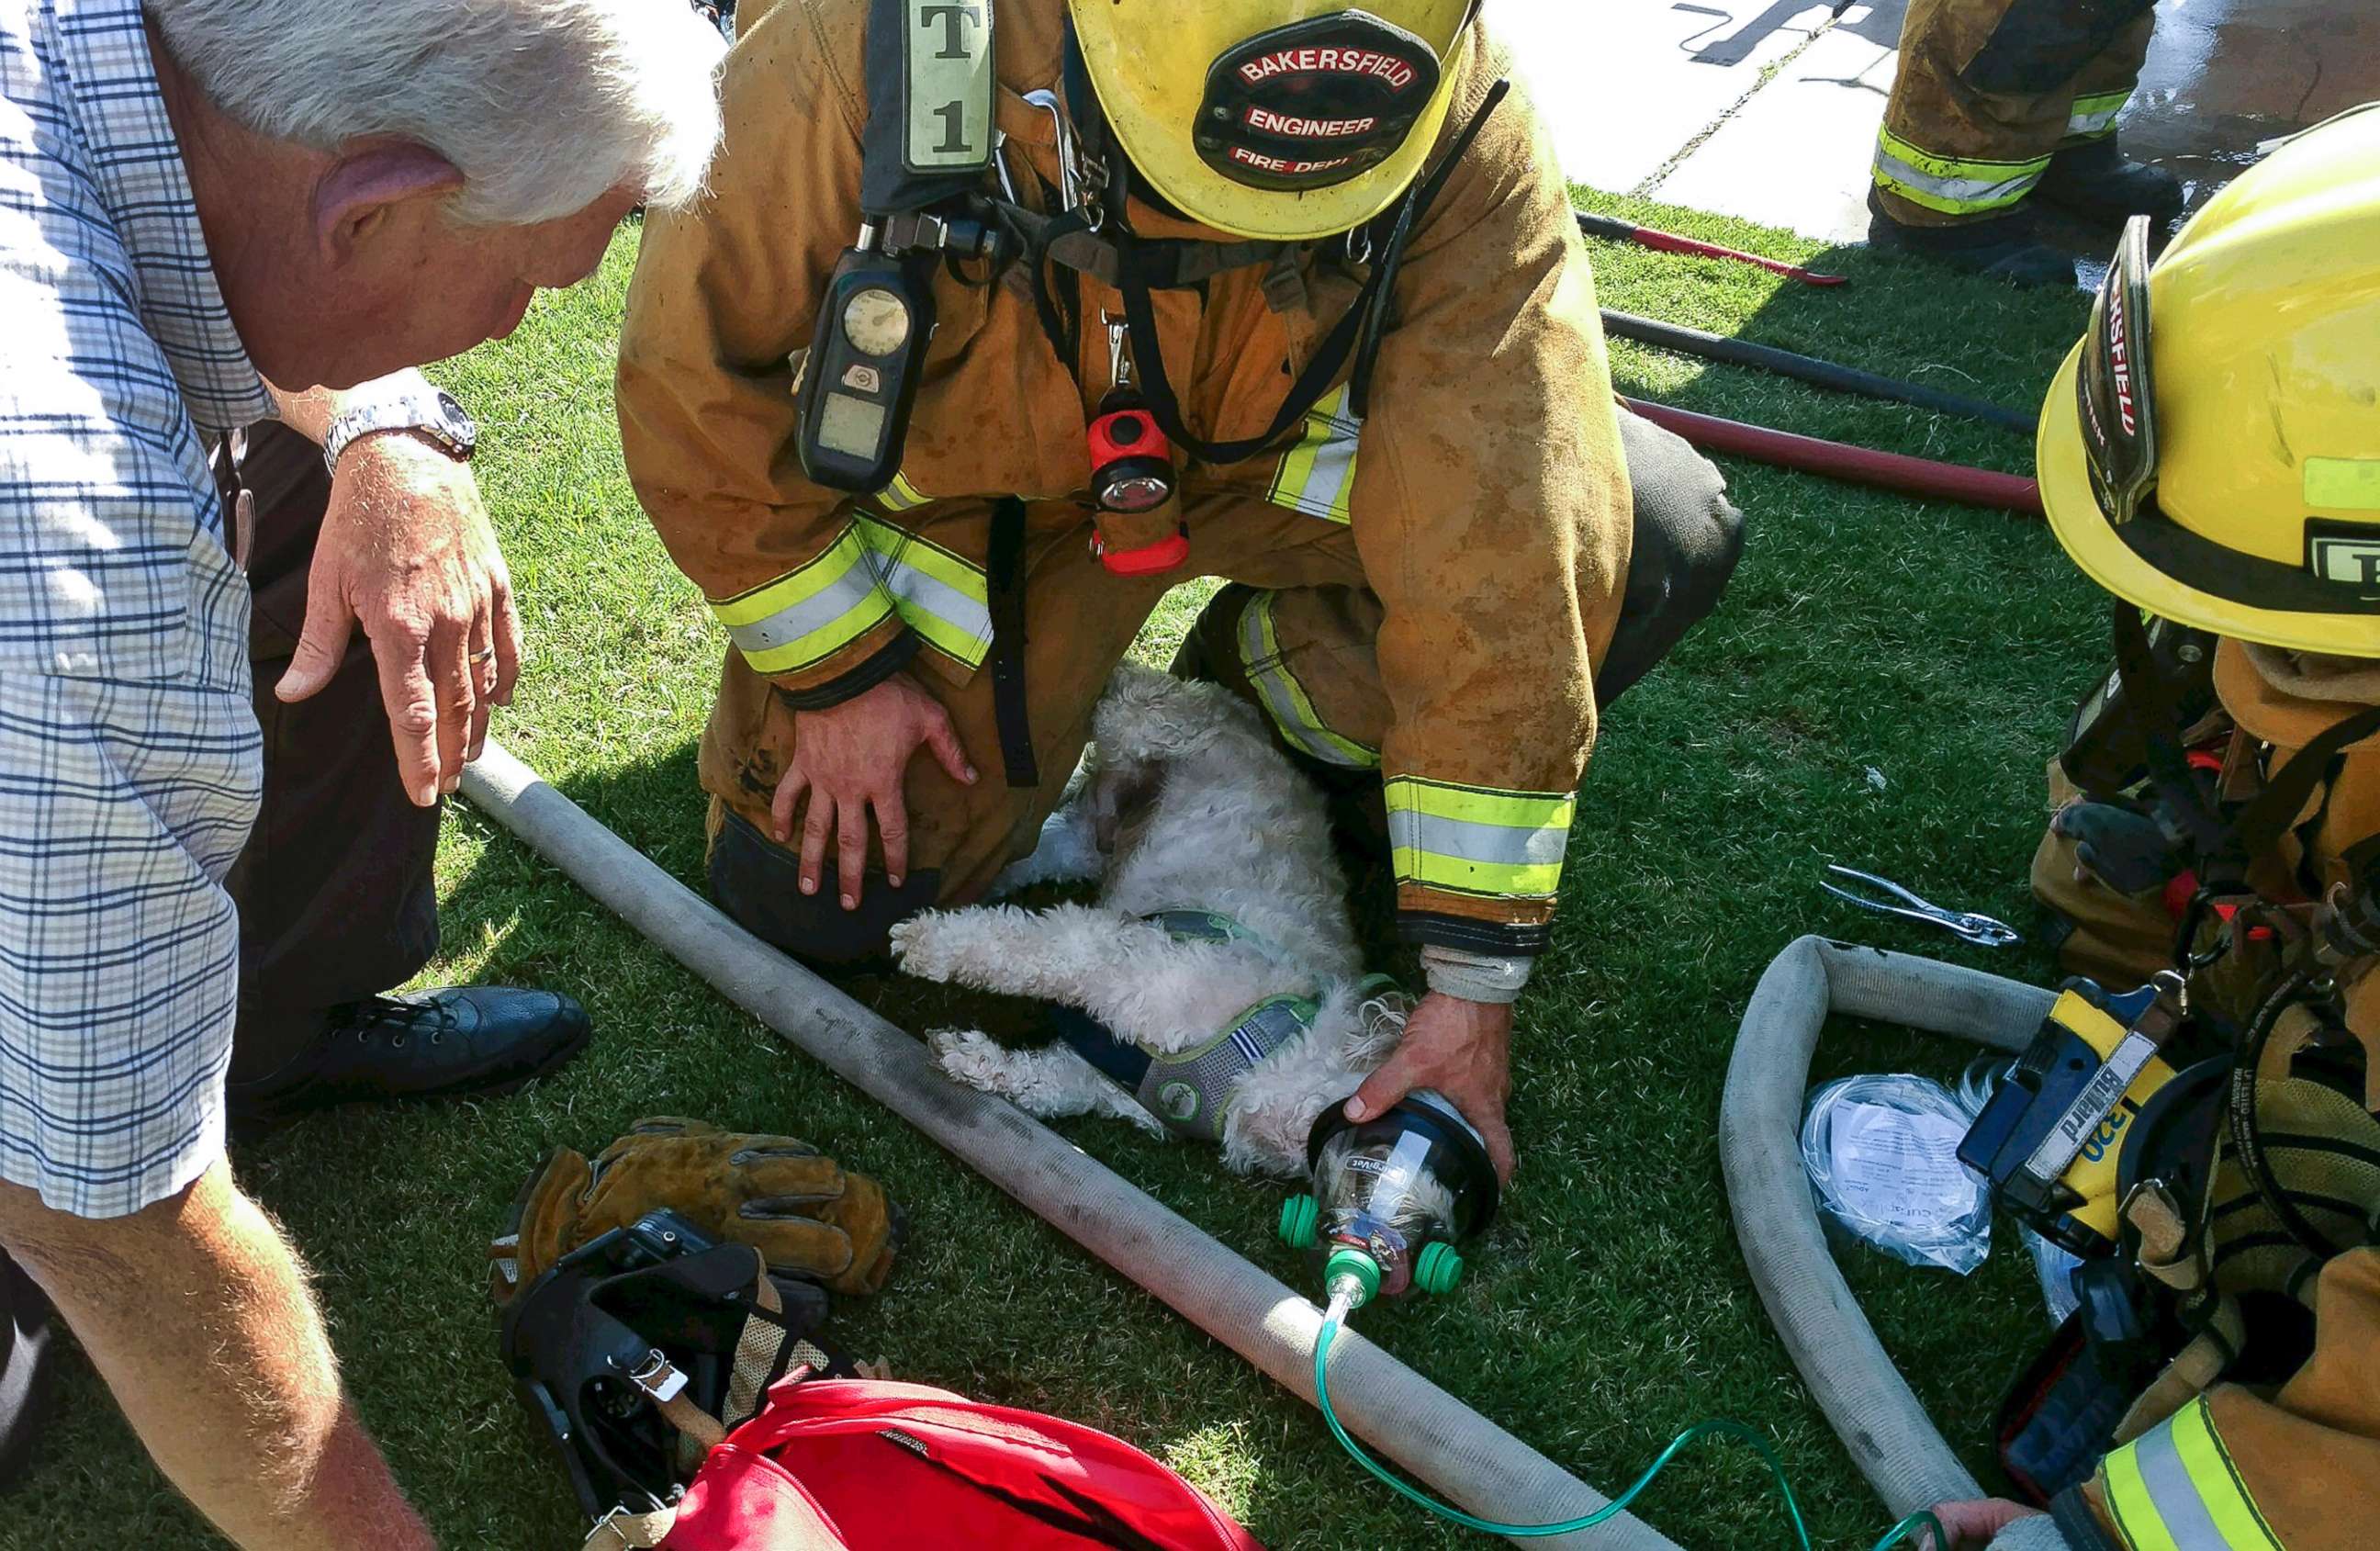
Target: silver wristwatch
{"x": 435, "y": 414}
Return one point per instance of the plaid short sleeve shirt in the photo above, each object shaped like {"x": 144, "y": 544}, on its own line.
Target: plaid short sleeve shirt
{"x": 128, "y": 759}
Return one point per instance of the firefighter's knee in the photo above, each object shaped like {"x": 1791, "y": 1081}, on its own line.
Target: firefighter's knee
{"x": 1210, "y": 652}
{"x": 1688, "y": 539}
{"x": 757, "y": 882}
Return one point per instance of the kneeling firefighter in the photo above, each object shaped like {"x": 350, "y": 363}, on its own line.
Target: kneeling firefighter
{"x": 985, "y": 337}
{"x": 2210, "y": 455}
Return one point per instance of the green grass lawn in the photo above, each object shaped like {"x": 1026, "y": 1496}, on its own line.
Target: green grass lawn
{"x": 1882, "y": 686}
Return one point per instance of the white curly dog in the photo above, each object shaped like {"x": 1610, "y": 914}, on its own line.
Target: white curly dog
{"x": 1220, "y": 952}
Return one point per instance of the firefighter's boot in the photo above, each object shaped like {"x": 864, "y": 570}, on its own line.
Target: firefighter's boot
{"x": 2002, "y": 248}
{"x": 2098, "y": 183}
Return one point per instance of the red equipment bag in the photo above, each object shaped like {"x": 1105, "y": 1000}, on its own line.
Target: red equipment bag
{"x": 836, "y": 1464}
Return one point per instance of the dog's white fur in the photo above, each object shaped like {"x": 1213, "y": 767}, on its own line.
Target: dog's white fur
{"x": 1183, "y": 804}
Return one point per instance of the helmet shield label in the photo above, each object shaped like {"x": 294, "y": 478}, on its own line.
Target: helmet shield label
{"x": 2112, "y": 388}
{"x": 1315, "y": 103}
{"x": 2347, "y": 554}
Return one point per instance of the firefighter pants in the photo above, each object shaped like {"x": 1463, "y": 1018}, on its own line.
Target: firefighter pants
{"x": 1303, "y": 625}
{"x": 1990, "y": 89}
{"x": 335, "y": 889}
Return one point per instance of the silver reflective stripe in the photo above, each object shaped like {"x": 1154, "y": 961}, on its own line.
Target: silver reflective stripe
{"x": 2174, "y": 1495}
{"x": 1959, "y": 194}
{"x": 1326, "y": 488}
{"x": 813, "y": 613}
{"x": 2085, "y": 124}
{"x": 1285, "y": 699}
{"x": 1497, "y": 845}
{"x": 969, "y": 616}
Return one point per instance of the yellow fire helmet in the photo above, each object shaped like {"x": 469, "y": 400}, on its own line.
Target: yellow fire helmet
{"x": 2211, "y": 449}
{"x": 1283, "y": 119}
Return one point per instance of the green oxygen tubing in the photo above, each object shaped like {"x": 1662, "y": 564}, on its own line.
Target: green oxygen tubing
{"x": 1347, "y": 1292}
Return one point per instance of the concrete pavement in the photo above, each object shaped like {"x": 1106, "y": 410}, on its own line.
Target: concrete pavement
{"x": 1769, "y": 110}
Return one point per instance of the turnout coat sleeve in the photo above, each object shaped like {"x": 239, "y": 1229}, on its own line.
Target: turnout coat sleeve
{"x": 725, "y": 292}
{"x": 1491, "y": 510}
{"x": 2245, "y": 1470}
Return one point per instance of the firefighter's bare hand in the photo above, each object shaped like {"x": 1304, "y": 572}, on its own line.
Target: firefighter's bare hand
{"x": 406, "y": 552}
{"x": 854, "y": 756}
{"x": 1972, "y": 1525}
{"x": 1464, "y": 1050}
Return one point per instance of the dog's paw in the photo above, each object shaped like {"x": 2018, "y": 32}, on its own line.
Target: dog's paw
{"x": 919, "y": 947}
{"x": 972, "y": 1057}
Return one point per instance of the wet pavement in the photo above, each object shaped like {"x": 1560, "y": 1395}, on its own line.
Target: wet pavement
{"x": 1769, "y": 110}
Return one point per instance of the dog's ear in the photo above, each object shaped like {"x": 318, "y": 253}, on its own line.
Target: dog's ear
{"x": 1123, "y": 795}
{"x": 1145, "y": 715}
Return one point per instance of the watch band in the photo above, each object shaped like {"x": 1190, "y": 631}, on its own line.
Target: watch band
{"x": 435, "y": 414}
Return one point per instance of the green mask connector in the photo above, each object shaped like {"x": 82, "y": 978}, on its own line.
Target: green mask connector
{"x": 1437, "y": 1269}
{"x": 1352, "y": 1265}
{"x": 1299, "y": 1216}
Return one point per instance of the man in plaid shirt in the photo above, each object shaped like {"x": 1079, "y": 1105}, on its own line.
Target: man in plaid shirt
{"x": 198, "y": 199}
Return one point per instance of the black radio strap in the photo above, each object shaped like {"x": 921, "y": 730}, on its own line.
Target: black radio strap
{"x": 1011, "y": 709}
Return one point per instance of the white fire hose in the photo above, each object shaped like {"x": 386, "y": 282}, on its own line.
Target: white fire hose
{"x": 1882, "y": 1425}
{"x": 1425, "y": 1429}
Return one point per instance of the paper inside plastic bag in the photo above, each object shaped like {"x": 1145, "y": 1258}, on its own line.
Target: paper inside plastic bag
{"x": 1882, "y": 1154}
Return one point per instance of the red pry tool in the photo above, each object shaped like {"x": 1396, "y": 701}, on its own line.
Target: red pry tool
{"x": 1617, "y": 230}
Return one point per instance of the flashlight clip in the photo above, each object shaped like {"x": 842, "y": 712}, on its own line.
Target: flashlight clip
{"x": 1139, "y": 530}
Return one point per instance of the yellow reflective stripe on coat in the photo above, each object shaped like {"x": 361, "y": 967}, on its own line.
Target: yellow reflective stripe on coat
{"x": 1285, "y": 699}
{"x": 810, "y": 613}
{"x": 2175, "y": 1488}
{"x": 2095, "y": 114}
{"x": 941, "y": 597}
{"x": 1317, "y": 476}
{"x": 901, "y": 495}
{"x": 1949, "y": 184}
{"x": 1476, "y": 840}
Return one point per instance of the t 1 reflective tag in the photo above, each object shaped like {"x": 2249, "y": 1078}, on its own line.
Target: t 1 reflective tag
{"x": 946, "y": 85}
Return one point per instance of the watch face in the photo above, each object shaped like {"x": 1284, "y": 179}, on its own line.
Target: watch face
{"x": 457, "y": 422}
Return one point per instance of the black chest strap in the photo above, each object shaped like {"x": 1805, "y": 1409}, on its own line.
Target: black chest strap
{"x": 1142, "y": 266}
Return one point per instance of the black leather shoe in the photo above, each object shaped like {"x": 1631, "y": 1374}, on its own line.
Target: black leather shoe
{"x": 470, "y": 1039}
{"x": 28, "y": 1330}
{"x": 2003, "y": 247}
{"x": 2097, "y": 183}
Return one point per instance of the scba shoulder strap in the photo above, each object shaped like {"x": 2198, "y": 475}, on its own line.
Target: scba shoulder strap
{"x": 1141, "y": 266}
{"x": 930, "y": 89}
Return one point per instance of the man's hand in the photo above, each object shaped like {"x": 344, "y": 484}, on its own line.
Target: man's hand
{"x": 1464, "y": 1050}
{"x": 854, "y": 757}
{"x": 1972, "y": 1525}
{"x": 406, "y": 552}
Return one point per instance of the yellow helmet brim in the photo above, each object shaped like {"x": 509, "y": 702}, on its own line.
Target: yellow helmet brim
{"x": 1174, "y": 169}
{"x": 2094, "y": 544}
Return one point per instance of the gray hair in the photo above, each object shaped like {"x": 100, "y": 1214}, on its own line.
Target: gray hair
{"x": 545, "y": 105}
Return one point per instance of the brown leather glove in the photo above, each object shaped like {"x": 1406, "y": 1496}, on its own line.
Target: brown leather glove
{"x": 798, "y": 1207}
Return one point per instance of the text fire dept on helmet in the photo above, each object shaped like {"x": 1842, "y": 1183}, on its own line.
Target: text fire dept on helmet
{"x": 1454, "y": 554}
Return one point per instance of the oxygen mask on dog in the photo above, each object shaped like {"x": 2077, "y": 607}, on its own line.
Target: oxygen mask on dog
{"x": 1393, "y": 1198}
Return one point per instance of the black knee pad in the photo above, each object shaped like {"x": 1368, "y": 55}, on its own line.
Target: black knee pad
{"x": 758, "y": 882}
{"x": 1688, "y": 540}
{"x": 1210, "y": 653}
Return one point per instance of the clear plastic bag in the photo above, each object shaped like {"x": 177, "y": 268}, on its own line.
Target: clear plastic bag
{"x": 1882, "y": 1154}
